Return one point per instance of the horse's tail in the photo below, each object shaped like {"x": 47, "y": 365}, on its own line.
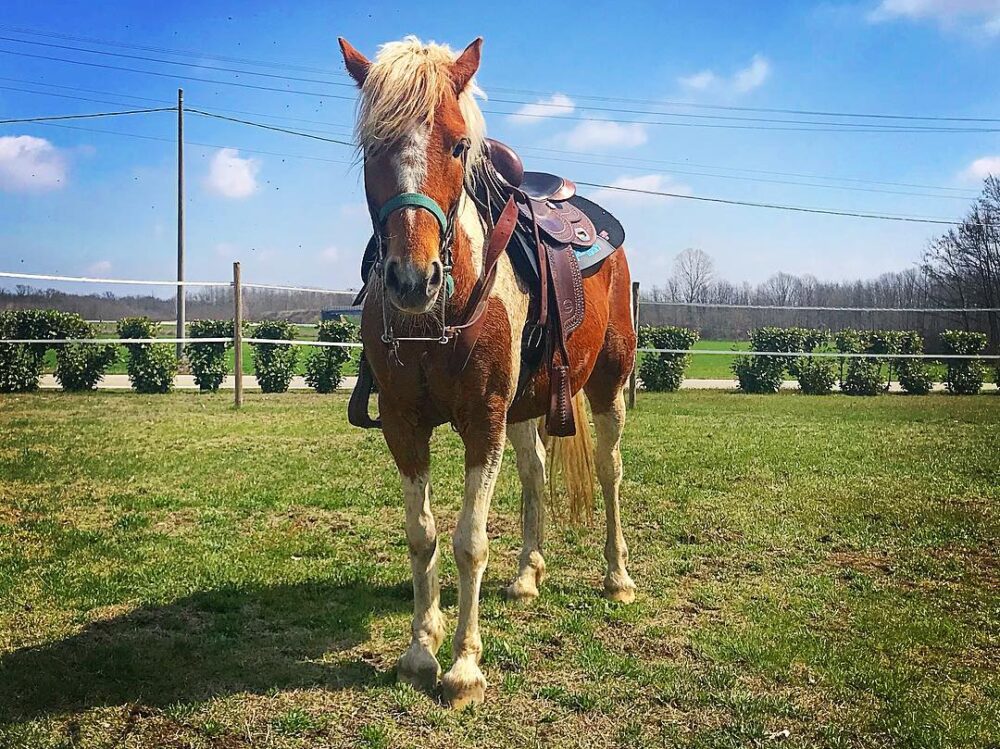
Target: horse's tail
{"x": 571, "y": 470}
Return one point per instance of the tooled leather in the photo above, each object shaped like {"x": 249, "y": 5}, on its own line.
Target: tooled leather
{"x": 567, "y": 286}
{"x": 562, "y": 223}
{"x": 559, "y": 422}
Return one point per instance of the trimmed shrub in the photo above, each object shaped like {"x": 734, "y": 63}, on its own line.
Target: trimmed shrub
{"x": 965, "y": 376}
{"x": 80, "y": 366}
{"x": 914, "y": 374}
{"x": 208, "y": 360}
{"x": 864, "y": 377}
{"x": 759, "y": 374}
{"x": 323, "y": 367}
{"x": 274, "y": 363}
{"x": 151, "y": 366}
{"x": 21, "y": 363}
{"x": 859, "y": 375}
{"x": 763, "y": 374}
{"x": 664, "y": 372}
{"x": 816, "y": 376}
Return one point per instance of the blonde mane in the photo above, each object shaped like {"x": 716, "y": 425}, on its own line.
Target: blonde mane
{"x": 402, "y": 90}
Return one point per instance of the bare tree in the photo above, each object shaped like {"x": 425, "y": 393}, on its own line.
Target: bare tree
{"x": 693, "y": 273}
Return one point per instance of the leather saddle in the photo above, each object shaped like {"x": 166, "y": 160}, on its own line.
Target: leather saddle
{"x": 560, "y": 237}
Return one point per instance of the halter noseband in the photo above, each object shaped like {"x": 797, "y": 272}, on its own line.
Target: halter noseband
{"x": 413, "y": 200}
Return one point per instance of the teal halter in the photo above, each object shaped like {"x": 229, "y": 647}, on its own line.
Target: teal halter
{"x": 413, "y": 200}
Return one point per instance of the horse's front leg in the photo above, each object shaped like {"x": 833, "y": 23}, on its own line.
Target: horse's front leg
{"x": 484, "y": 439}
{"x": 410, "y": 446}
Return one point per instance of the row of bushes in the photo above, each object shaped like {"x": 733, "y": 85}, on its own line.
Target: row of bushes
{"x": 151, "y": 366}
{"x": 867, "y": 375}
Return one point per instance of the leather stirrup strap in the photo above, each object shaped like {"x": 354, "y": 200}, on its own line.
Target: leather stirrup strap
{"x": 467, "y": 333}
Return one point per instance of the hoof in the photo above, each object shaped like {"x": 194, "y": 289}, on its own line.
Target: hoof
{"x": 521, "y": 591}
{"x": 619, "y": 588}
{"x": 463, "y": 685}
{"x": 418, "y": 668}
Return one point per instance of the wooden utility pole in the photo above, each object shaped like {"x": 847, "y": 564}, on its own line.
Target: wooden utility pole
{"x": 635, "y": 326}
{"x": 237, "y": 337}
{"x": 180, "y": 221}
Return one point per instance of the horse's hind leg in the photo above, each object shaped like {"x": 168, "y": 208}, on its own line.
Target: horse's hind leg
{"x": 531, "y": 470}
{"x": 609, "y": 421}
{"x": 410, "y": 446}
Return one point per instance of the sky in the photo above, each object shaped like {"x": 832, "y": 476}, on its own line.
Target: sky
{"x": 98, "y": 196}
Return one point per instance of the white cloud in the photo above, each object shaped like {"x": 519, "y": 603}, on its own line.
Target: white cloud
{"x": 699, "y": 81}
{"x": 29, "y": 164}
{"x": 981, "y": 14}
{"x": 652, "y": 183}
{"x": 231, "y": 176}
{"x": 557, "y": 104}
{"x": 605, "y": 134}
{"x": 99, "y": 268}
{"x": 743, "y": 80}
{"x": 753, "y": 75}
{"x": 329, "y": 254}
{"x": 982, "y": 168}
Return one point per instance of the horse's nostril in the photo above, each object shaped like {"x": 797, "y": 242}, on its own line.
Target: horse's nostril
{"x": 391, "y": 276}
{"x": 436, "y": 275}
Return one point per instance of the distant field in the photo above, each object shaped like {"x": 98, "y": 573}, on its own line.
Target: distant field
{"x": 812, "y": 572}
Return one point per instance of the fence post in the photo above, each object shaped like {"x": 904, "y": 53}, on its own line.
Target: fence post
{"x": 237, "y": 336}
{"x": 635, "y": 326}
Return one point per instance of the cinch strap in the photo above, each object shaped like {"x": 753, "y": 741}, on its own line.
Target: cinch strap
{"x": 414, "y": 200}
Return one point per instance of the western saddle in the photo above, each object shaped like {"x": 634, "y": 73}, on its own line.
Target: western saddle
{"x": 554, "y": 238}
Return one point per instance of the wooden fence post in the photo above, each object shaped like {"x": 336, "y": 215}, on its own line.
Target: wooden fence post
{"x": 237, "y": 336}
{"x": 635, "y": 326}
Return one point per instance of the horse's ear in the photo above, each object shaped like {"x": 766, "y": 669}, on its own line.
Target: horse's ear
{"x": 466, "y": 65}
{"x": 357, "y": 64}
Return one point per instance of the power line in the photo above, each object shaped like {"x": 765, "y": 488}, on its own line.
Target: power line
{"x": 861, "y": 128}
{"x": 174, "y": 62}
{"x": 775, "y": 125}
{"x": 176, "y": 77}
{"x": 266, "y": 115}
{"x": 173, "y": 141}
{"x": 774, "y": 206}
{"x": 169, "y": 51}
{"x": 764, "y": 180}
{"x": 84, "y": 116}
{"x": 271, "y": 127}
{"x": 528, "y": 92}
{"x": 846, "y": 125}
{"x": 962, "y": 193}
{"x": 731, "y": 108}
{"x": 971, "y": 193}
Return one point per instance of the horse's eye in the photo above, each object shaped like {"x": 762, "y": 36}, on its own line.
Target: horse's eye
{"x": 459, "y": 148}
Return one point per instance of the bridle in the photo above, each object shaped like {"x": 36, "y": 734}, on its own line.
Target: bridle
{"x": 446, "y": 224}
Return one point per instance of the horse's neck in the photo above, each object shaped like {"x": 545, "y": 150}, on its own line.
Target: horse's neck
{"x": 467, "y": 260}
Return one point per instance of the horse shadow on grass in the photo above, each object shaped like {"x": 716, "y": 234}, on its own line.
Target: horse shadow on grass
{"x": 216, "y": 642}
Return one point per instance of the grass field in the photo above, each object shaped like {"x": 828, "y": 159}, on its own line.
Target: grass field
{"x": 177, "y": 574}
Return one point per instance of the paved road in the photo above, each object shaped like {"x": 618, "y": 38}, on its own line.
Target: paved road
{"x": 186, "y": 382}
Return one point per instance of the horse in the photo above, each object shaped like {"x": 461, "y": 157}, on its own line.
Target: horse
{"x": 420, "y": 131}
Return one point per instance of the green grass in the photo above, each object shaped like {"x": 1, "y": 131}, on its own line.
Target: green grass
{"x": 175, "y": 573}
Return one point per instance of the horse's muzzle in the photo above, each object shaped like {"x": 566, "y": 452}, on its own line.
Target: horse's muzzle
{"x": 413, "y": 289}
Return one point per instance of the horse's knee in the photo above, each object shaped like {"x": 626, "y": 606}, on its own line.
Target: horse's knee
{"x": 471, "y": 546}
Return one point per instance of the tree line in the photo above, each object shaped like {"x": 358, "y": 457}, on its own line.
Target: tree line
{"x": 959, "y": 269}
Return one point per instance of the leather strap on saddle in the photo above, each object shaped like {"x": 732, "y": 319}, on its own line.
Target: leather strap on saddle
{"x": 468, "y": 332}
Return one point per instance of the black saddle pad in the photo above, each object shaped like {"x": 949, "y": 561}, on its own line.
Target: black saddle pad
{"x": 606, "y": 225}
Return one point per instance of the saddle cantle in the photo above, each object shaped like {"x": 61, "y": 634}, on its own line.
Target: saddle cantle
{"x": 559, "y": 238}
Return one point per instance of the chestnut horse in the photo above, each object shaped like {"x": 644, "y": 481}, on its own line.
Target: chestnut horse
{"x": 420, "y": 132}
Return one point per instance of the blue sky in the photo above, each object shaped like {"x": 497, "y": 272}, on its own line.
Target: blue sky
{"x": 75, "y": 201}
